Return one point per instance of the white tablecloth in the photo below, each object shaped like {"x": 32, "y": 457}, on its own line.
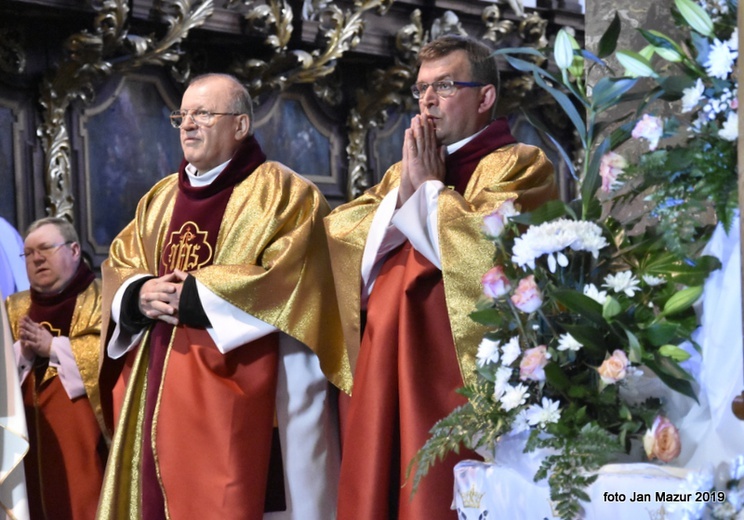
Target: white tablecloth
{"x": 486, "y": 491}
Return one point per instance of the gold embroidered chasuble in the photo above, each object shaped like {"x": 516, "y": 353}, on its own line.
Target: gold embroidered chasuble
{"x": 516, "y": 171}
{"x": 270, "y": 260}
{"x": 85, "y": 331}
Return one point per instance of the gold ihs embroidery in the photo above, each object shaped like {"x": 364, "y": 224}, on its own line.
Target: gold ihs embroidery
{"x": 187, "y": 249}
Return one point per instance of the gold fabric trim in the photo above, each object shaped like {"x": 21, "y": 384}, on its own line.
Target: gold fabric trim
{"x": 121, "y": 494}
{"x": 519, "y": 170}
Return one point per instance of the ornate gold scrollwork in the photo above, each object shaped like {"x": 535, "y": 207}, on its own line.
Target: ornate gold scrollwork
{"x": 338, "y": 32}
{"x": 90, "y": 57}
{"x": 373, "y": 104}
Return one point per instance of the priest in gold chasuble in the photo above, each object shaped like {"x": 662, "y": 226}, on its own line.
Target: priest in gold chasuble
{"x": 221, "y": 315}
{"x": 408, "y": 256}
{"x": 56, "y": 328}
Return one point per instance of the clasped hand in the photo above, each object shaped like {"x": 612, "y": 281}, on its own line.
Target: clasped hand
{"x": 423, "y": 158}
{"x": 35, "y": 337}
{"x": 159, "y": 297}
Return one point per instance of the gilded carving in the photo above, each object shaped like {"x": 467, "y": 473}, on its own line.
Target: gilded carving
{"x": 92, "y": 56}
{"x": 338, "y": 32}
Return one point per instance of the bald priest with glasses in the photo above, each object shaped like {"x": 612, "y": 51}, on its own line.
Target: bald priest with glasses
{"x": 56, "y": 328}
{"x": 218, "y": 301}
{"x": 408, "y": 256}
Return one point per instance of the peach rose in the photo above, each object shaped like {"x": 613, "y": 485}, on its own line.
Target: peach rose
{"x": 662, "y": 440}
{"x": 533, "y": 363}
{"x": 614, "y": 368}
{"x": 495, "y": 283}
{"x": 527, "y": 297}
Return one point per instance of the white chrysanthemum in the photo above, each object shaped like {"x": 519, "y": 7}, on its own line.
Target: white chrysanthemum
{"x": 730, "y": 129}
{"x": 503, "y": 374}
{"x": 568, "y": 342}
{"x": 488, "y": 352}
{"x": 514, "y": 396}
{"x": 551, "y": 238}
{"x": 520, "y": 424}
{"x": 545, "y": 414}
{"x": 595, "y": 294}
{"x": 624, "y": 281}
{"x": 691, "y": 96}
{"x": 510, "y": 351}
{"x": 653, "y": 281}
{"x": 720, "y": 60}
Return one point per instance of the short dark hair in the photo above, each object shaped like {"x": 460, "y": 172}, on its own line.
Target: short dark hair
{"x": 241, "y": 102}
{"x": 483, "y": 64}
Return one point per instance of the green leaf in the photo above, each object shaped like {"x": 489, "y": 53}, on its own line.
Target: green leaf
{"x": 487, "y": 317}
{"x": 661, "y": 333}
{"x": 636, "y": 350}
{"x": 695, "y": 16}
{"x": 678, "y": 384}
{"x": 674, "y": 352}
{"x": 567, "y": 159}
{"x": 607, "y": 91}
{"x": 663, "y": 45}
{"x": 567, "y": 106}
{"x": 611, "y": 308}
{"x": 608, "y": 41}
{"x": 635, "y": 64}
{"x": 556, "y": 377}
{"x": 580, "y": 304}
{"x": 507, "y": 51}
{"x": 682, "y": 300}
{"x": 592, "y": 181}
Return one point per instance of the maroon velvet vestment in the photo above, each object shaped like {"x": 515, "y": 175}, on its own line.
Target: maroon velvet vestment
{"x": 67, "y": 454}
{"x": 406, "y": 377}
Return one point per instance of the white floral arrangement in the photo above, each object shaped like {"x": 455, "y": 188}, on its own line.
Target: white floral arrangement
{"x": 581, "y": 307}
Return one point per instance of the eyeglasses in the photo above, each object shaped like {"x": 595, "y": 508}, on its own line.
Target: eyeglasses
{"x": 443, "y": 89}
{"x": 199, "y": 117}
{"x": 44, "y": 251}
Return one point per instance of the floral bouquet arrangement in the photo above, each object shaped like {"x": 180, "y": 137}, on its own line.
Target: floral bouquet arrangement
{"x": 682, "y": 181}
{"x": 582, "y": 309}
{"x": 578, "y": 313}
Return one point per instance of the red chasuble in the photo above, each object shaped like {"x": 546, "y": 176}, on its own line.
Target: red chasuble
{"x": 190, "y": 436}
{"x": 65, "y": 463}
{"x": 406, "y": 377}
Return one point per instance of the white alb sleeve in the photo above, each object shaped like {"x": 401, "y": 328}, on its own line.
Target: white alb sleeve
{"x": 417, "y": 220}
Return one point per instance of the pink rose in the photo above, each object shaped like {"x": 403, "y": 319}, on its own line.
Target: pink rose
{"x": 527, "y": 297}
{"x": 533, "y": 364}
{"x": 614, "y": 368}
{"x": 494, "y": 223}
{"x": 662, "y": 440}
{"x": 611, "y": 165}
{"x": 649, "y": 128}
{"x": 495, "y": 283}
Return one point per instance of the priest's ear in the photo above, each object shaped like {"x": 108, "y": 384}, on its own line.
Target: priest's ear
{"x": 487, "y": 99}
{"x": 244, "y": 127}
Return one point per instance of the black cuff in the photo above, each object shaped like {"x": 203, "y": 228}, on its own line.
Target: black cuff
{"x": 132, "y": 320}
{"x": 190, "y": 310}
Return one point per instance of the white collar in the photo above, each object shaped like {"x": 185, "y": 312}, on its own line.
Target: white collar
{"x": 452, "y": 148}
{"x": 198, "y": 179}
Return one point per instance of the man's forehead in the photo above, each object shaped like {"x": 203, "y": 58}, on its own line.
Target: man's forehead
{"x": 46, "y": 232}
